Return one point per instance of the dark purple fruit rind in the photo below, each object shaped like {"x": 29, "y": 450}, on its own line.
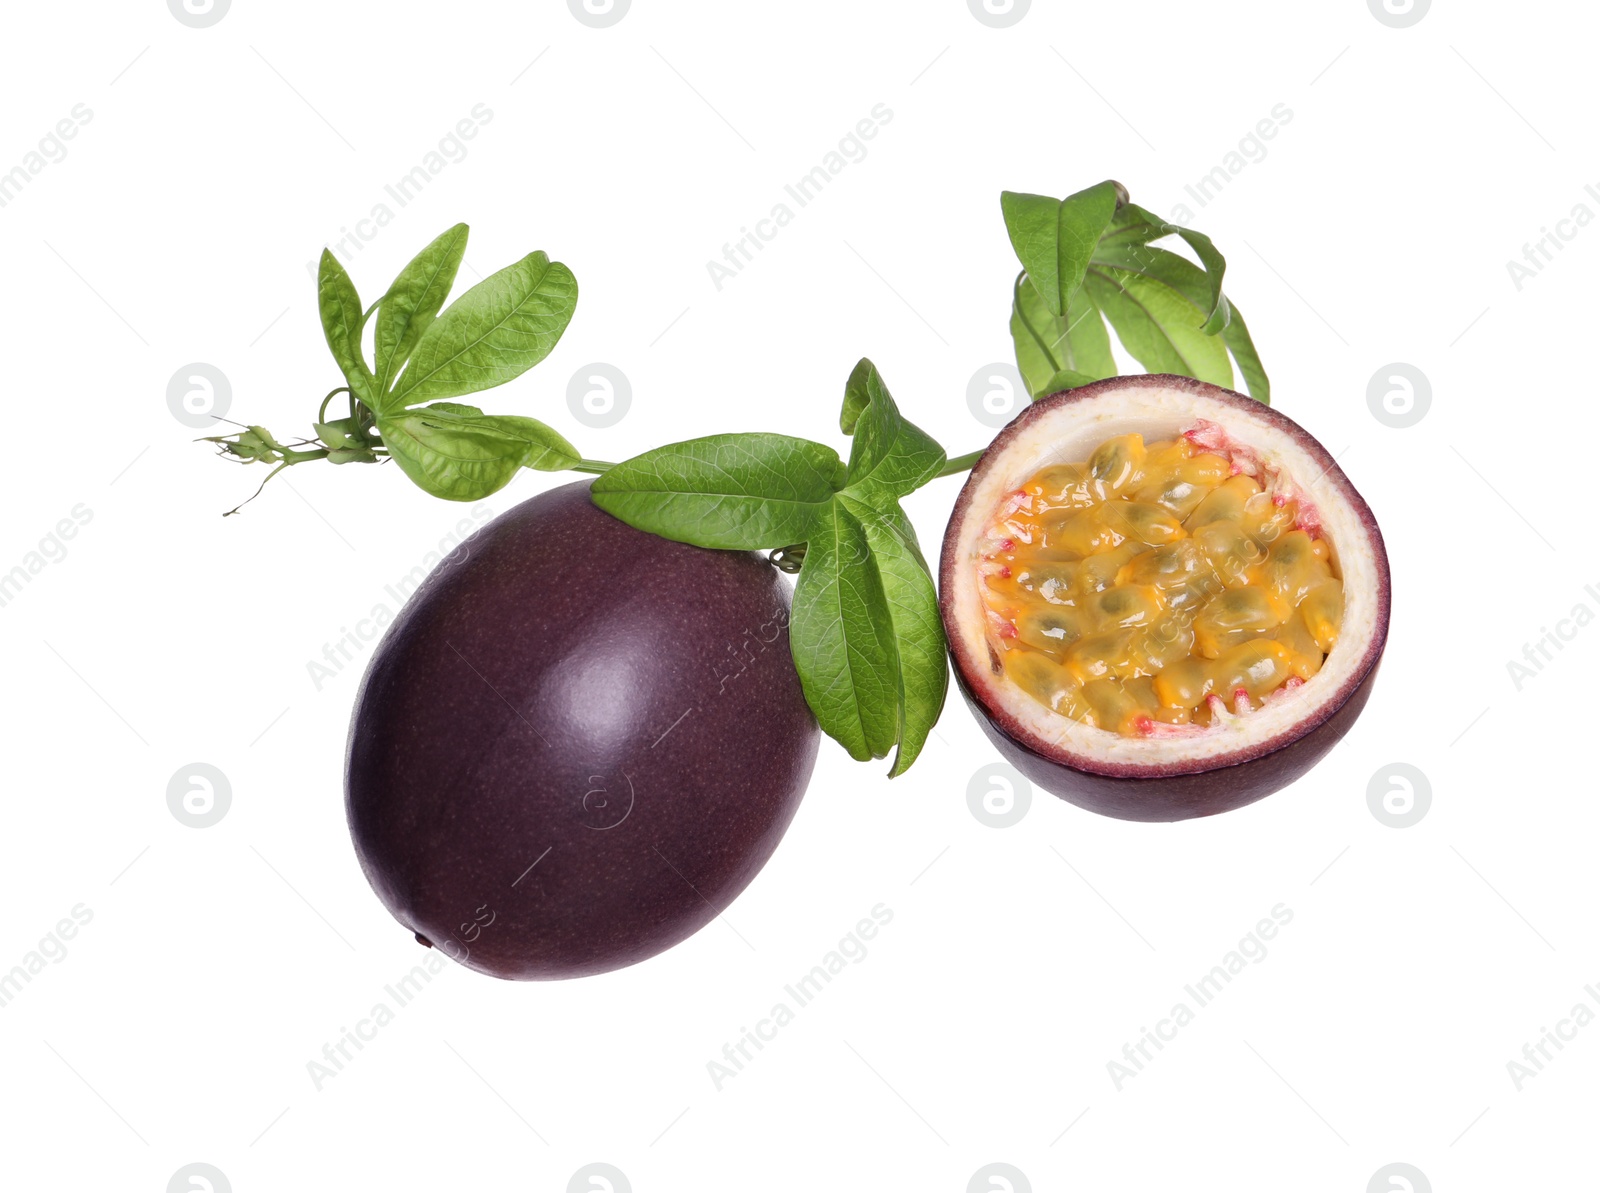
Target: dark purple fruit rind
{"x": 1171, "y": 791}
{"x": 577, "y": 743}
{"x": 1178, "y": 796}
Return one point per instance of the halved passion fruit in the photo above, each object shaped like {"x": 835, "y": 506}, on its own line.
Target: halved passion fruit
{"x": 1163, "y": 598}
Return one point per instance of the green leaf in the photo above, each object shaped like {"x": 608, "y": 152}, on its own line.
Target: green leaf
{"x": 338, "y": 434}
{"x": 1157, "y": 325}
{"x": 857, "y": 394}
{"x": 1034, "y": 224}
{"x": 1155, "y": 300}
{"x": 842, "y": 638}
{"x": 1054, "y": 238}
{"x": 1237, "y": 337}
{"x": 1134, "y": 226}
{"x": 1065, "y": 379}
{"x": 1216, "y": 307}
{"x": 460, "y": 453}
{"x": 1181, "y": 275}
{"x": 866, "y": 635}
{"x": 1047, "y": 345}
{"x": 413, "y": 299}
{"x": 340, "y": 308}
{"x": 913, "y": 608}
{"x": 744, "y": 492}
{"x": 889, "y": 456}
{"x": 493, "y": 333}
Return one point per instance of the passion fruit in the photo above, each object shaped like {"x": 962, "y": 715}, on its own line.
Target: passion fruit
{"x": 577, "y": 743}
{"x": 1163, "y": 599}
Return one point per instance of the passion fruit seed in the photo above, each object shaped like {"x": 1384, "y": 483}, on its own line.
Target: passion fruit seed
{"x": 1050, "y": 630}
{"x": 1323, "y": 609}
{"x": 1160, "y": 585}
{"x": 1234, "y": 616}
{"x": 1066, "y": 486}
{"x": 1225, "y": 503}
{"x": 1305, "y": 654}
{"x": 1051, "y": 685}
{"x": 1104, "y": 570}
{"x": 1118, "y": 463}
{"x": 1231, "y": 552}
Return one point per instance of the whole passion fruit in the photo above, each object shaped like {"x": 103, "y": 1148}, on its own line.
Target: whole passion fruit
{"x": 577, "y": 743}
{"x": 1163, "y": 599}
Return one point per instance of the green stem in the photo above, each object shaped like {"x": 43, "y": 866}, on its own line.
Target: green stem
{"x": 960, "y": 464}
{"x": 595, "y": 466}
{"x": 322, "y": 413}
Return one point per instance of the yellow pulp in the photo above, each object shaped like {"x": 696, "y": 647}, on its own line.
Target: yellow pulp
{"x": 1157, "y": 587}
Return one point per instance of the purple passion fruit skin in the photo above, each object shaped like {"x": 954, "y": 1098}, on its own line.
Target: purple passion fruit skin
{"x": 1177, "y": 796}
{"x": 577, "y": 743}
{"x": 1242, "y": 759}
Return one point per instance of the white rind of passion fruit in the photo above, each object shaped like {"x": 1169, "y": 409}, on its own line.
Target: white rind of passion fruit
{"x": 1239, "y": 757}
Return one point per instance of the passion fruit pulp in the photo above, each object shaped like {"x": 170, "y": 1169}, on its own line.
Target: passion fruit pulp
{"x": 1163, "y": 599}
{"x": 578, "y": 742}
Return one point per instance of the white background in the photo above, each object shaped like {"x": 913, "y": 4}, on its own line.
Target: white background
{"x": 1019, "y": 961}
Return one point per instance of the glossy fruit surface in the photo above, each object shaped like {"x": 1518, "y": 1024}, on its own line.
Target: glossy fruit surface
{"x": 577, "y": 743}
{"x": 1163, "y": 598}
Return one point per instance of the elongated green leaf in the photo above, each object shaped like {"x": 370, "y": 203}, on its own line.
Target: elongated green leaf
{"x": 1034, "y": 224}
{"x": 1084, "y": 344}
{"x": 913, "y": 608}
{"x": 1159, "y": 265}
{"x": 858, "y": 391}
{"x": 866, "y": 635}
{"x": 493, "y": 333}
{"x": 1216, "y": 307}
{"x": 745, "y": 492}
{"x": 1134, "y": 227}
{"x": 889, "y": 456}
{"x": 1047, "y": 346}
{"x": 1054, "y": 238}
{"x": 1182, "y": 275}
{"x": 340, "y": 308}
{"x": 1158, "y": 325}
{"x": 460, "y": 453}
{"x": 842, "y": 638}
{"x": 1237, "y": 337}
{"x": 414, "y": 298}
{"x": 1065, "y": 379}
